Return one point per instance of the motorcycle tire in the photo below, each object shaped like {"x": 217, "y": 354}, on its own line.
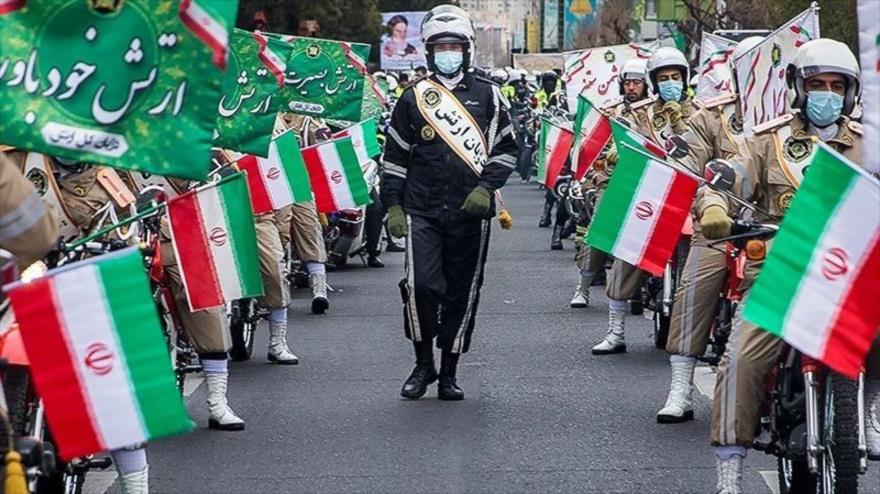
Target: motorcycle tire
{"x": 16, "y": 387}
{"x": 795, "y": 477}
{"x": 661, "y": 330}
{"x": 840, "y": 475}
{"x": 636, "y": 307}
{"x": 242, "y": 329}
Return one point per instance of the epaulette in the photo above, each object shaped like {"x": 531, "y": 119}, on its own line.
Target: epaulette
{"x": 716, "y": 101}
{"x": 643, "y": 103}
{"x": 855, "y": 127}
{"x": 613, "y": 103}
{"x": 772, "y": 124}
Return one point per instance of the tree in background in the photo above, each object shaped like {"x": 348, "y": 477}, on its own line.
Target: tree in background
{"x": 837, "y": 18}
{"x": 411, "y": 5}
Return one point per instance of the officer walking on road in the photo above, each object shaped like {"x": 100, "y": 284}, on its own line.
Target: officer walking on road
{"x": 450, "y": 147}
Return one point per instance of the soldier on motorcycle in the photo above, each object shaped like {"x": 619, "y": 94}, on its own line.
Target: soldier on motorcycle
{"x": 714, "y": 132}
{"x": 633, "y": 88}
{"x": 824, "y": 76}
{"x": 28, "y": 227}
{"x": 658, "y": 118}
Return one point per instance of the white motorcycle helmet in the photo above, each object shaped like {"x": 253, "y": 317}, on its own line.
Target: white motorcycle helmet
{"x": 392, "y": 82}
{"x": 667, "y": 57}
{"x": 499, "y": 76}
{"x": 448, "y": 24}
{"x": 823, "y": 56}
{"x": 635, "y": 69}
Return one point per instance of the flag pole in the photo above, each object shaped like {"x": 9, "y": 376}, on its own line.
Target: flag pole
{"x": 142, "y": 214}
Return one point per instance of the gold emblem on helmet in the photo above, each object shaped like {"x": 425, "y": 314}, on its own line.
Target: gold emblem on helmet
{"x": 428, "y": 133}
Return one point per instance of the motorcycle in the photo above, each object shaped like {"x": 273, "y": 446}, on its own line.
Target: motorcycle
{"x": 344, "y": 233}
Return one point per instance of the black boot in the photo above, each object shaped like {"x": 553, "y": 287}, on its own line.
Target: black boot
{"x": 374, "y": 261}
{"x": 545, "y": 216}
{"x": 447, "y": 389}
{"x": 556, "y": 240}
{"x": 423, "y": 375}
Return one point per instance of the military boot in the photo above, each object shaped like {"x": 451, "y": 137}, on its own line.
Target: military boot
{"x": 545, "y": 216}
{"x": 447, "y": 389}
{"x": 135, "y": 482}
{"x": 556, "y": 239}
{"x": 320, "y": 302}
{"x": 729, "y": 475}
{"x": 613, "y": 341}
{"x": 679, "y": 405}
{"x": 423, "y": 375}
{"x": 581, "y": 296}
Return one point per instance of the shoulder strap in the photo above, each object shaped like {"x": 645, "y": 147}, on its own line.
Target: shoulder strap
{"x": 452, "y": 122}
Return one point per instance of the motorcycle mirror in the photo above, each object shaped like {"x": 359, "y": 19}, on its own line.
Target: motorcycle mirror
{"x": 677, "y": 147}
{"x": 720, "y": 174}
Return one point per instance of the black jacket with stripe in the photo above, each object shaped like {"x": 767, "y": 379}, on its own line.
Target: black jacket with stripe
{"x": 424, "y": 175}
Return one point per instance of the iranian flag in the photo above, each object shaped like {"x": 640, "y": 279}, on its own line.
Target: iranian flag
{"x": 818, "y": 287}
{"x": 7, "y": 6}
{"x": 623, "y": 134}
{"x": 211, "y": 22}
{"x": 336, "y": 177}
{"x": 553, "y": 148}
{"x": 592, "y": 132}
{"x": 640, "y": 217}
{"x": 363, "y": 138}
{"x": 98, "y": 356}
{"x": 215, "y": 241}
{"x": 279, "y": 179}
{"x": 274, "y": 61}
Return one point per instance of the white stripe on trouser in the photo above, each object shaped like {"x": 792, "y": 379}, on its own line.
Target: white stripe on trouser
{"x": 411, "y": 310}
{"x": 727, "y": 419}
{"x": 687, "y": 313}
{"x": 458, "y": 342}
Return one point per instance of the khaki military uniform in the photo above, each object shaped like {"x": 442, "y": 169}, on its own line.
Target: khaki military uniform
{"x": 772, "y": 159}
{"x": 650, "y": 120}
{"x": 714, "y": 131}
{"x": 28, "y": 225}
{"x": 307, "y": 233}
{"x": 270, "y": 250}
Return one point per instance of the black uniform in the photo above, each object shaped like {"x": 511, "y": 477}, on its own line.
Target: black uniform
{"x": 446, "y": 246}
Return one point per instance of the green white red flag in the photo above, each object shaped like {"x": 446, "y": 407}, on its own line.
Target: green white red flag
{"x": 592, "y": 132}
{"x": 215, "y": 241}
{"x": 274, "y": 61}
{"x": 818, "y": 287}
{"x": 280, "y": 179}
{"x": 209, "y": 26}
{"x": 645, "y": 206}
{"x": 336, "y": 177}
{"x": 623, "y": 134}
{"x": 98, "y": 356}
{"x": 364, "y": 138}
{"x": 554, "y": 145}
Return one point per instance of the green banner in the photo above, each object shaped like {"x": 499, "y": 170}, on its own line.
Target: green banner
{"x": 373, "y": 103}
{"x": 133, "y": 87}
{"x": 325, "y": 78}
{"x": 251, "y": 96}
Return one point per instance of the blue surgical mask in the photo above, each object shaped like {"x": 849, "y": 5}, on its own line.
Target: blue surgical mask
{"x": 824, "y": 107}
{"x": 448, "y": 62}
{"x": 670, "y": 90}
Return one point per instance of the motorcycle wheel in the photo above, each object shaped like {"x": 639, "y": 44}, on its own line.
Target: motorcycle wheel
{"x": 16, "y": 386}
{"x": 795, "y": 477}
{"x": 636, "y": 307}
{"x": 661, "y": 330}
{"x": 242, "y": 328}
{"x": 840, "y": 465}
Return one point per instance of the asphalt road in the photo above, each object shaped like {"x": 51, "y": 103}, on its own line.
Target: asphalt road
{"x": 541, "y": 414}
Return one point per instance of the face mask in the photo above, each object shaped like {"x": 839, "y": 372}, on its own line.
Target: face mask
{"x": 824, "y": 107}
{"x": 448, "y": 62}
{"x": 670, "y": 90}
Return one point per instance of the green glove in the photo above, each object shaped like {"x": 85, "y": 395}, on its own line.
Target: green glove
{"x": 397, "y": 226}
{"x": 478, "y": 202}
{"x": 715, "y": 223}
{"x": 672, "y": 109}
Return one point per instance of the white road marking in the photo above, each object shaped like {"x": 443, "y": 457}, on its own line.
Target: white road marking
{"x": 99, "y": 482}
{"x": 771, "y": 479}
